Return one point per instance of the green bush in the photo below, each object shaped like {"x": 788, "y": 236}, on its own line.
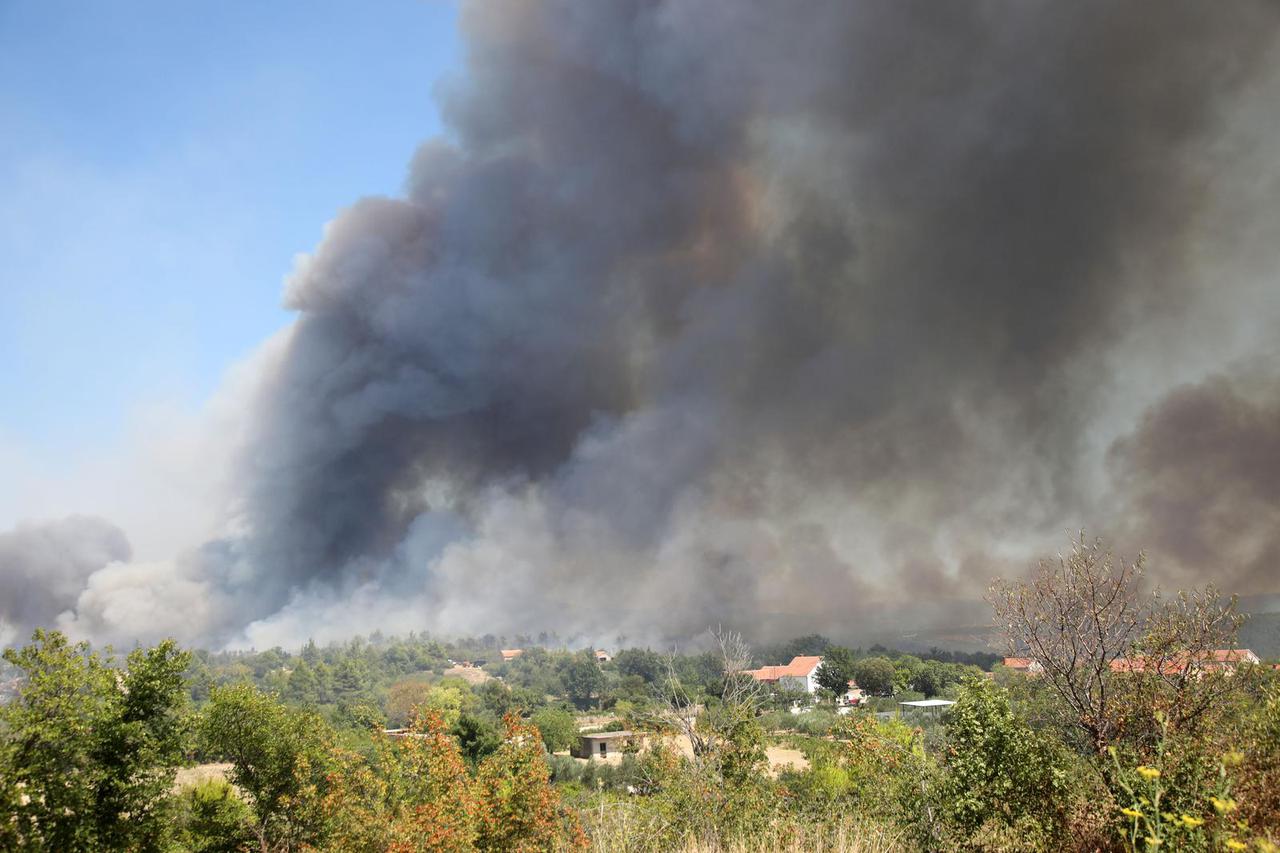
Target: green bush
{"x": 817, "y": 722}
{"x": 210, "y": 818}
{"x": 1001, "y": 777}
{"x": 558, "y": 728}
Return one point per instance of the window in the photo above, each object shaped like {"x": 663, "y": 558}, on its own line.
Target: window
{"x": 603, "y": 748}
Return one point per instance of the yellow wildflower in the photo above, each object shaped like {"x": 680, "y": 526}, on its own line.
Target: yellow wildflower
{"x": 1223, "y": 805}
{"x": 1148, "y": 772}
{"x": 1191, "y": 822}
{"x": 1234, "y": 758}
{"x": 1232, "y": 844}
{"x": 1153, "y": 842}
{"x": 1266, "y": 846}
{"x": 1131, "y": 813}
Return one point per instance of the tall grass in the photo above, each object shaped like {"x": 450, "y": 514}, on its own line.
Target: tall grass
{"x": 626, "y": 827}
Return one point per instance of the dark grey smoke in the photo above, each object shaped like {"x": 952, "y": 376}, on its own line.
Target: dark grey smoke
{"x": 773, "y": 314}
{"x": 1202, "y": 476}
{"x": 43, "y": 568}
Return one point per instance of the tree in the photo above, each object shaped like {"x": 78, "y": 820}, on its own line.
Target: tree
{"x": 501, "y": 699}
{"x": 415, "y": 795}
{"x": 875, "y": 675}
{"x": 1178, "y": 672}
{"x": 583, "y": 678}
{"x": 905, "y": 670}
{"x": 558, "y": 728}
{"x": 403, "y": 697}
{"x": 477, "y": 736}
{"x": 1075, "y": 617}
{"x": 210, "y": 818}
{"x": 643, "y": 663}
{"x": 87, "y": 751}
{"x": 931, "y": 677}
{"x": 837, "y": 670}
{"x": 1000, "y": 773}
{"x": 303, "y": 685}
{"x": 281, "y": 756}
{"x": 1107, "y": 649}
{"x": 519, "y": 807}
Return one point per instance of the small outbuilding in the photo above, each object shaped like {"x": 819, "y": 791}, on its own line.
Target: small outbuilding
{"x": 604, "y": 744}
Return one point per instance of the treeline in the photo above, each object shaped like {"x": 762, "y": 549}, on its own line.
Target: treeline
{"x": 378, "y": 680}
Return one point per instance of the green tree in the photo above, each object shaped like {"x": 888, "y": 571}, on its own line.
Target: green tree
{"x": 87, "y": 751}
{"x": 558, "y": 728}
{"x": 648, "y": 665}
{"x": 837, "y": 669}
{"x": 583, "y": 678}
{"x": 304, "y": 686}
{"x": 875, "y": 675}
{"x": 1001, "y": 775}
{"x": 281, "y": 759}
{"x": 477, "y": 736}
{"x": 932, "y": 677}
{"x": 210, "y": 818}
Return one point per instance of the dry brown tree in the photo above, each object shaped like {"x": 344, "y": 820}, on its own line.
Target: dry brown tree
{"x": 740, "y": 697}
{"x": 1179, "y": 669}
{"x": 1075, "y": 616}
{"x": 1112, "y": 653}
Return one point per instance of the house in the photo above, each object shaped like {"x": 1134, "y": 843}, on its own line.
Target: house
{"x": 1229, "y": 659}
{"x": 800, "y": 674}
{"x": 605, "y": 744}
{"x": 602, "y": 656}
{"x": 1024, "y": 665}
{"x": 854, "y": 696}
{"x": 511, "y": 654}
{"x": 1214, "y": 660}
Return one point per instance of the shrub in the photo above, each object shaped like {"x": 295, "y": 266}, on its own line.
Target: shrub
{"x": 1001, "y": 777}
{"x": 209, "y": 817}
{"x": 557, "y": 727}
{"x": 816, "y": 723}
{"x": 518, "y": 809}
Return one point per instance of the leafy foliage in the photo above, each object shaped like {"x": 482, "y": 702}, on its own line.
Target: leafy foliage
{"x": 87, "y": 751}
{"x": 1000, "y": 774}
{"x": 281, "y": 758}
{"x": 875, "y": 675}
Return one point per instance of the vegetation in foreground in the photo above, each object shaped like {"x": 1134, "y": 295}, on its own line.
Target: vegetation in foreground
{"x": 1125, "y": 740}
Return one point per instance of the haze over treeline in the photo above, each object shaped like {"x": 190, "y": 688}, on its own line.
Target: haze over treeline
{"x": 709, "y": 312}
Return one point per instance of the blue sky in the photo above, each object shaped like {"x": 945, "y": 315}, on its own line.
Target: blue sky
{"x": 161, "y": 163}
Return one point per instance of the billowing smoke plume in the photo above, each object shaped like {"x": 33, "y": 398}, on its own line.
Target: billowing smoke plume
{"x": 43, "y": 568}
{"x": 776, "y": 315}
{"x": 1202, "y": 472}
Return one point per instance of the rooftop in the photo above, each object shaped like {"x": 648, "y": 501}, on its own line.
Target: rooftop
{"x": 800, "y": 666}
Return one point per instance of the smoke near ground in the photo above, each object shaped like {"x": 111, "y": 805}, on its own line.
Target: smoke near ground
{"x": 43, "y": 568}
{"x": 787, "y": 317}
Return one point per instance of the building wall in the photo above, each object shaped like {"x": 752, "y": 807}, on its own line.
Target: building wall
{"x": 590, "y": 748}
{"x": 807, "y": 683}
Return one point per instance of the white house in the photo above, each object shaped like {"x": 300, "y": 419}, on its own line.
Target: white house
{"x": 800, "y": 674}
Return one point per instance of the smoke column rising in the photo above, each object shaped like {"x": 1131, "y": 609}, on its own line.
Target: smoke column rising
{"x": 792, "y": 317}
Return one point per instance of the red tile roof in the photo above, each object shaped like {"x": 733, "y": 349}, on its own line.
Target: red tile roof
{"x": 800, "y": 666}
{"x": 1213, "y": 659}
